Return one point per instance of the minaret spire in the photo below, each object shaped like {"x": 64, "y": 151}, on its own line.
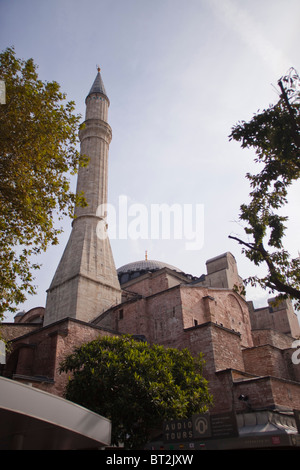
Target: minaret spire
{"x": 86, "y": 281}
{"x": 98, "y": 85}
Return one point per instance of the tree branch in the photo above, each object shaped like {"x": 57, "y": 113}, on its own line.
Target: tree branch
{"x": 274, "y": 282}
{"x": 291, "y": 113}
{"x": 241, "y": 242}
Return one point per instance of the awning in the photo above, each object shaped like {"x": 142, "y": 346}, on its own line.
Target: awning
{"x": 265, "y": 422}
{"x": 31, "y": 419}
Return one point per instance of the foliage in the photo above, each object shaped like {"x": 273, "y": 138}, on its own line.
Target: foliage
{"x": 274, "y": 134}
{"x": 135, "y": 385}
{"x": 37, "y": 148}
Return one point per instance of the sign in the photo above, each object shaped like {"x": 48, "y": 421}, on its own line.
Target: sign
{"x": 201, "y": 426}
{"x": 224, "y": 425}
{"x": 178, "y": 430}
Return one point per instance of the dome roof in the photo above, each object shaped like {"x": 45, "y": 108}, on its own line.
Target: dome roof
{"x": 20, "y": 314}
{"x": 133, "y": 270}
{"x": 146, "y": 265}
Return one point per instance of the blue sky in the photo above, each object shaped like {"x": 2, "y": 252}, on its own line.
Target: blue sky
{"x": 179, "y": 75}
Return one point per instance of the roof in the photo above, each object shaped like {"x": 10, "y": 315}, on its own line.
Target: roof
{"x": 98, "y": 85}
{"x": 31, "y": 419}
{"x": 138, "y": 268}
{"x": 146, "y": 265}
{"x": 266, "y": 421}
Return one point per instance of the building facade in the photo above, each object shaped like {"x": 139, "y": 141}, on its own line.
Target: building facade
{"x": 249, "y": 353}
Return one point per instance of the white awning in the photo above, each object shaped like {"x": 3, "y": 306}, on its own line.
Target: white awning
{"x": 35, "y": 420}
{"x": 264, "y": 422}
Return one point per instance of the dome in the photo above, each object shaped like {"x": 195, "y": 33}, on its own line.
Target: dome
{"x": 146, "y": 265}
{"x": 133, "y": 270}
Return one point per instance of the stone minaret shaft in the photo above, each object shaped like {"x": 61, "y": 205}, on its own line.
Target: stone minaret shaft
{"x": 86, "y": 282}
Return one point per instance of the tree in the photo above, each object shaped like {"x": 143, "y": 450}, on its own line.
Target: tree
{"x": 38, "y": 147}
{"x": 135, "y": 385}
{"x": 274, "y": 134}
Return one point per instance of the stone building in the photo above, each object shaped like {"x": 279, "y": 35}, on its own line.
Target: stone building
{"x": 249, "y": 352}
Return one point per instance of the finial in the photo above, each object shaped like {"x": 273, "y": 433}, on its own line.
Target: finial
{"x": 146, "y": 255}
{"x": 98, "y": 68}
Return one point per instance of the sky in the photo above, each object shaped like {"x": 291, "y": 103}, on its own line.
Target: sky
{"x": 179, "y": 75}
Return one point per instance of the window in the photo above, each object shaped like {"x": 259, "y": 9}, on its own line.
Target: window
{"x": 121, "y": 314}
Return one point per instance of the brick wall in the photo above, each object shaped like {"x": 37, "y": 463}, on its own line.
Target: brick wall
{"x": 158, "y": 317}
{"x": 266, "y": 392}
{"x": 150, "y": 283}
{"x": 227, "y": 349}
{"x": 10, "y": 331}
{"x": 162, "y": 316}
{"x": 194, "y": 307}
{"x": 155, "y": 282}
{"x": 278, "y": 317}
{"x": 273, "y": 337}
{"x": 221, "y": 347}
{"x": 40, "y": 353}
{"x": 266, "y": 360}
{"x": 221, "y": 351}
{"x": 286, "y": 393}
{"x": 258, "y": 391}
{"x": 220, "y": 306}
{"x": 198, "y": 339}
{"x": 131, "y": 318}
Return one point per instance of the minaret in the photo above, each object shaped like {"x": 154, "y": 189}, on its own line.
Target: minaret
{"x": 86, "y": 281}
